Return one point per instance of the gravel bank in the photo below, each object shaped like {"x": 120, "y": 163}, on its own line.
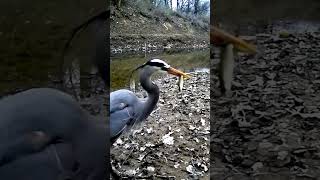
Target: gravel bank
{"x": 270, "y": 128}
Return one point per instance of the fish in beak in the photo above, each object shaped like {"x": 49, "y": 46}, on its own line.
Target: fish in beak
{"x": 228, "y": 44}
{"x": 182, "y": 76}
{"x": 178, "y": 73}
{"x": 219, "y": 37}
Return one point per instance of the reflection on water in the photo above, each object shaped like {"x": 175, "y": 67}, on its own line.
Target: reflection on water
{"x": 18, "y": 75}
{"x": 121, "y": 67}
{"x": 23, "y": 73}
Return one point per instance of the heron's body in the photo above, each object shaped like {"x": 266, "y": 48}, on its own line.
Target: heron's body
{"x": 38, "y": 122}
{"x": 35, "y": 119}
{"x": 126, "y": 108}
{"x": 52, "y": 163}
{"x": 123, "y": 107}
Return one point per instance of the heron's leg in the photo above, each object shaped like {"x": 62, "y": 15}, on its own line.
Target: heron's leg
{"x": 26, "y": 144}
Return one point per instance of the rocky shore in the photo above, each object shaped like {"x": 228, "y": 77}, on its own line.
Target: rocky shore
{"x": 270, "y": 128}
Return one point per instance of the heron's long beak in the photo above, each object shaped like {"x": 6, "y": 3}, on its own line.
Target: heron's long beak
{"x": 220, "y": 37}
{"x": 178, "y": 73}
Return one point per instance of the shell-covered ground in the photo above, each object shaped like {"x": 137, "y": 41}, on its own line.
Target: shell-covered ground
{"x": 270, "y": 128}
{"x": 174, "y": 141}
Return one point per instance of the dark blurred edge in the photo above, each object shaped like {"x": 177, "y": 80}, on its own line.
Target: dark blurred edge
{"x": 35, "y": 32}
{"x": 212, "y": 20}
{"x": 237, "y": 13}
{"x": 108, "y": 89}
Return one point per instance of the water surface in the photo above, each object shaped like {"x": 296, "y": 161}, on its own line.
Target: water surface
{"x": 121, "y": 67}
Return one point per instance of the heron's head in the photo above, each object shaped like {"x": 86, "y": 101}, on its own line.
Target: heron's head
{"x": 221, "y": 38}
{"x": 154, "y": 65}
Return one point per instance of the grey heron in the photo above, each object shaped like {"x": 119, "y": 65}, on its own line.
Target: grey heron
{"x": 33, "y": 120}
{"x": 229, "y": 44}
{"x": 45, "y": 134}
{"x": 126, "y": 108}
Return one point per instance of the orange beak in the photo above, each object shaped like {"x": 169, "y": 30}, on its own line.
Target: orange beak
{"x": 178, "y": 73}
{"x": 219, "y": 37}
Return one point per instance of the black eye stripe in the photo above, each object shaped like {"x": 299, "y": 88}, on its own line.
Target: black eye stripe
{"x": 157, "y": 64}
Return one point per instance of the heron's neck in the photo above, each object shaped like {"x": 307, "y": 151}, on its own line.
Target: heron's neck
{"x": 152, "y": 90}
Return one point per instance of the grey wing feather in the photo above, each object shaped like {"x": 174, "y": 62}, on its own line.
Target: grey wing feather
{"x": 120, "y": 120}
{"x": 122, "y": 111}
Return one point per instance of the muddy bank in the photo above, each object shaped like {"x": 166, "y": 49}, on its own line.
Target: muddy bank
{"x": 270, "y": 127}
{"x": 174, "y": 142}
{"x": 156, "y": 43}
{"x": 135, "y": 31}
{"x": 272, "y": 27}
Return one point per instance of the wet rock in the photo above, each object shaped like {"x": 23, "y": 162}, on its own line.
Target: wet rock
{"x": 247, "y": 163}
{"x": 256, "y": 166}
{"x": 264, "y": 148}
{"x": 283, "y": 158}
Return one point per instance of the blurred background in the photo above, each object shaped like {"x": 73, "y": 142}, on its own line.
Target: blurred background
{"x": 252, "y": 16}
{"x": 269, "y": 128}
{"x": 32, "y": 36}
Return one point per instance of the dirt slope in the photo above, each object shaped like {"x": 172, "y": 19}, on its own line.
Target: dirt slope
{"x": 132, "y": 30}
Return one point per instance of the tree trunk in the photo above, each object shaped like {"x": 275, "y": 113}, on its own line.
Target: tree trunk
{"x": 196, "y": 6}
{"x": 166, "y": 3}
{"x": 188, "y": 6}
{"x": 177, "y": 5}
